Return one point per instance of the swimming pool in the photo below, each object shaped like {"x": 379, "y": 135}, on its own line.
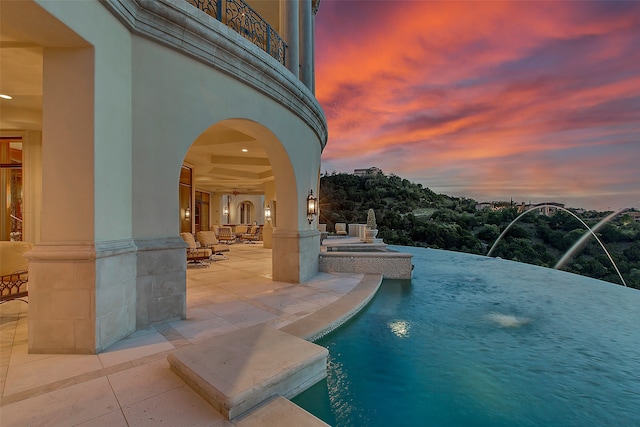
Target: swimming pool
{"x": 477, "y": 341}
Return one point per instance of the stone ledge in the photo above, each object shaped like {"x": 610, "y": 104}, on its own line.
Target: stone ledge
{"x": 235, "y": 372}
{"x": 392, "y": 265}
{"x": 332, "y": 316}
{"x": 279, "y": 412}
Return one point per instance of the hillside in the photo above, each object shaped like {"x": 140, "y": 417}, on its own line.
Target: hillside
{"x": 412, "y": 215}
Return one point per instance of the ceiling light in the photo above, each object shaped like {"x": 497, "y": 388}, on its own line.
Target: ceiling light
{"x": 2, "y": 95}
{"x": 244, "y": 150}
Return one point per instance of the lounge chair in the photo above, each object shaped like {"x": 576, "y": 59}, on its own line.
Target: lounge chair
{"x": 208, "y": 239}
{"x": 252, "y": 236}
{"x": 196, "y": 255}
{"x": 226, "y": 235}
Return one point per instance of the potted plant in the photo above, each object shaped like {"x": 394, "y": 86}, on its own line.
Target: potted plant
{"x": 372, "y": 227}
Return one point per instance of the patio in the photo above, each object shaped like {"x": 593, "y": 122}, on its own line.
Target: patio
{"x": 130, "y": 384}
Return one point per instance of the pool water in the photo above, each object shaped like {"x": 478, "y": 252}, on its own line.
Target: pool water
{"x": 477, "y": 341}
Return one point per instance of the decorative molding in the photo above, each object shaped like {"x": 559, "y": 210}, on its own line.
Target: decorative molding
{"x": 162, "y": 243}
{"x": 295, "y": 234}
{"x": 80, "y": 250}
{"x": 183, "y": 27}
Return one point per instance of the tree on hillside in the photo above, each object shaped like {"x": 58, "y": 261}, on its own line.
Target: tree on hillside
{"x": 413, "y": 215}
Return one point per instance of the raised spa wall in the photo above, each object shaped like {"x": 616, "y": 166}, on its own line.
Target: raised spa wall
{"x": 348, "y": 255}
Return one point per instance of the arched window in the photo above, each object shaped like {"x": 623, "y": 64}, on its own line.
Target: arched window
{"x": 246, "y": 212}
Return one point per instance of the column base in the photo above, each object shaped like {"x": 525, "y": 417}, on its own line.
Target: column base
{"x": 295, "y": 255}
{"x": 161, "y": 283}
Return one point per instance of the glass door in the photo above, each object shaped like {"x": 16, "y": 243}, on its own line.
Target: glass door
{"x": 11, "y": 196}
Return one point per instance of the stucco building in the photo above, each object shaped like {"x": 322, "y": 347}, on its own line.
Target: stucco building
{"x": 128, "y": 118}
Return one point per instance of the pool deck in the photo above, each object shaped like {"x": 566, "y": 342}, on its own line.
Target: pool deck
{"x": 131, "y": 383}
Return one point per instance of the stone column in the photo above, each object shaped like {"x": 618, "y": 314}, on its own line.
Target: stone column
{"x": 62, "y": 267}
{"x": 296, "y": 242}
{"x": 290, "y": 22}
{"x": 306, "y": 44}
{"x": 82, "y": 272}
{"x": 32, "y": 169}
{"x": 216, "y": 209}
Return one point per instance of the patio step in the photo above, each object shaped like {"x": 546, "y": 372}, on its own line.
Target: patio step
{"x": 236, "y": 371}
{"x": 279, "y": 412}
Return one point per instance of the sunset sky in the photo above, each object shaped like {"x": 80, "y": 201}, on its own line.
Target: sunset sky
{"x": 530, "y": 101}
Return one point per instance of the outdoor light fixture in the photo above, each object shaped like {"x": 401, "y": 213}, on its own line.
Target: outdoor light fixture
{"x": 187, "y": 213}
{"x": 312, "y": 207}
{"x": 267, "y": 213}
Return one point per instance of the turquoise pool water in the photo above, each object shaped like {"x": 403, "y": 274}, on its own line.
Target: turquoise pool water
{"x": 476, "y": 341}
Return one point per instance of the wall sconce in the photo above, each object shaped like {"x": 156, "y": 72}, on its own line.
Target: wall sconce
{"x": 225, "y": 211}
{"x": 312, "y": 207}
{"x": 267, "y": 213}
{"x": 187, "y": 213}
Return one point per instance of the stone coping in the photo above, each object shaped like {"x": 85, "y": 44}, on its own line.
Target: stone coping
{"x": 279, "y": 412}
{"x": 350, "y": 251}
{"x": 239, "y": 370}
{"x": 391, "y": 265}
{"x": 335, "y": 314}
{"x": 248, "y": 374}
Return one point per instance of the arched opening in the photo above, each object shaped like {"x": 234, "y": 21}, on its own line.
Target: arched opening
{"x": 226, "y": 179}
{"x": 246, "y": 212}
{"x": 232, "y": 167}
{"x": 238, "y": 160}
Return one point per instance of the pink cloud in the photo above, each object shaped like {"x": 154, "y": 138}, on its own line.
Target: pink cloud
{"x": 421, "y": 87}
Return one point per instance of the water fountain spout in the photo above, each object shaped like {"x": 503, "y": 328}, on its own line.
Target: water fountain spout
{"x": 590, "y": 232}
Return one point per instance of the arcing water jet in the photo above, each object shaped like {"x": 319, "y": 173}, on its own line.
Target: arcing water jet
{"x": 578, "y": 244}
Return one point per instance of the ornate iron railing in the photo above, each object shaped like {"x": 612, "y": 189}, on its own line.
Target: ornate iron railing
{"x": 240, "y": 17}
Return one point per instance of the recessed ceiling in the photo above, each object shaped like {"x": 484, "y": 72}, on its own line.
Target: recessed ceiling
{"x": 221, "y": 165}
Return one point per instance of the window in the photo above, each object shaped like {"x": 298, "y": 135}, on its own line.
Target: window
{"x": 184, "y": 194}
{"x": 246, "y": 212}
{"x": 11, "y": 196}
{"x": 201, "y": 216}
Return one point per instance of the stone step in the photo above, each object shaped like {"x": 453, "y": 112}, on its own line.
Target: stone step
{"x": 236, "y": 371}
{"x": 279, "y": 412}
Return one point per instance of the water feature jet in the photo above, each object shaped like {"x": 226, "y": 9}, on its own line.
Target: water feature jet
{"x": 576, "y": 245}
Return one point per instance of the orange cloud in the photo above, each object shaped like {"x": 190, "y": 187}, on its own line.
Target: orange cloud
{"x": 491, "y": 91}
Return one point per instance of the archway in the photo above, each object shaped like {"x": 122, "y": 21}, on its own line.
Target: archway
{"x": 244, "y": 167}
{"x": 246, "y": 212}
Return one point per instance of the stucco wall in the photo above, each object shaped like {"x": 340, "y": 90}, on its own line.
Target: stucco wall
{"x": 142, "y": 92}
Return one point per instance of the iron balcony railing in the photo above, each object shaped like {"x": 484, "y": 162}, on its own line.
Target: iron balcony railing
{"x": 239, "y": 16}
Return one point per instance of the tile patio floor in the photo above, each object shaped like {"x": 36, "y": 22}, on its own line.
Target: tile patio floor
{"x": 130, "y": 383}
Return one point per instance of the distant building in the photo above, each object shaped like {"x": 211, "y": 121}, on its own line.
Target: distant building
{"x": 484, "y": 205}
{"x": 546, "y": 208}
{"x": 493, "y": 206}
{"x": 634, "y": 215}
{"x": 365, "y": 172}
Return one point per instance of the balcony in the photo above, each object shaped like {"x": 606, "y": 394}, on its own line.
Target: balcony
{"x": 240, "y": 17}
